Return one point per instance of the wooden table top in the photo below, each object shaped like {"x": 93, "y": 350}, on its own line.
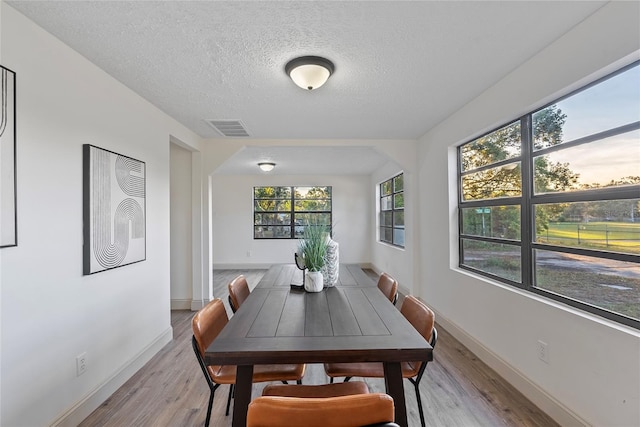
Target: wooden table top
{"x": 350, "y": 322}
{"x": 283, "y": 275}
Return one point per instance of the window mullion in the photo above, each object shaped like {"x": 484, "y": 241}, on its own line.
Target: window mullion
{"x": 460, "y": 201}
{"x": 293, "y": 213}
{"x": 526, "y": 209}
{"x": 578, "y": 196}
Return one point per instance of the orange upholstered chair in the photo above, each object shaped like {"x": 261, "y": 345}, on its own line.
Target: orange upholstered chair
{"x": 238, "y": 292}
{"x": 317, "y": 390}
{"x": 207, "y": 324}
{"x": 343, "y": 411}
{"x": 423, "y": 320}
{"x": 389, "y": 286}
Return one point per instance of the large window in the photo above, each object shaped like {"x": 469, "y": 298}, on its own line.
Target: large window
{"x": 392, "y": 211}
{"x": 550, "y": 202}
{"x": 283, "y": 212}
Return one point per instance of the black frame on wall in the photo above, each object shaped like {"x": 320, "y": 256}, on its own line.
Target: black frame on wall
{"x": 8, "y": 201}
{"x": 114, "y": 210}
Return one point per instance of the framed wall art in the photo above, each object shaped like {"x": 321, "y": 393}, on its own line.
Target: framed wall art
{"x": 8, "y": 199}
{"x": 114, "y": 210}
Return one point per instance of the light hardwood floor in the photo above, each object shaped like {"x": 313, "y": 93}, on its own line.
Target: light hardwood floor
{"x": 457, "y": 389}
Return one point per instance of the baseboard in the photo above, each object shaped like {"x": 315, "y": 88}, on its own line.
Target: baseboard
{"x": 196, "y": 305}
{"x": 374, "y": 268}
{"x": 181, "y": 304}
{"x": 261, "y": 266}
{"x": 402, "y": 289}
{"x": 81, "y": 410}
{"x": 243, "y": 266}
{"x": 547, "y": 403}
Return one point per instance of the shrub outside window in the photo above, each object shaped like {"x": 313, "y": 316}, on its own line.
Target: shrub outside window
{"x": 391, "y": 204}
{"x": 283, "y": 212}
{"x": 550, "y": 203}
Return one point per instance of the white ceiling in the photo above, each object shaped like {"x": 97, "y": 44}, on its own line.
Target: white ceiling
{"x": 401, "y": 67}
{"x": 304, "y": 160}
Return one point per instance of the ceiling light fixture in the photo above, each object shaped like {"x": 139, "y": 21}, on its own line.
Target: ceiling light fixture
{"x": 266, "y": 166}
{"x": 309, "y": 72}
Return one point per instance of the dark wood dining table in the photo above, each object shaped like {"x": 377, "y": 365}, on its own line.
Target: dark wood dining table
{"x": 351, "y": 322}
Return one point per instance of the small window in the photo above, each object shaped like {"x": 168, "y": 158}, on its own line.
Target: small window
{"x": 282, "y": 212}
{"x": 391, "y": 205}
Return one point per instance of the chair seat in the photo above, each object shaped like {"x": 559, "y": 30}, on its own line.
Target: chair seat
{"x": 368, "y": 369}
{"x": 422, "y": 319}
{"x": 321, "y": 390}
{"x": 226, "y": 374}
{"x": 342, "y": 411}
{"x": 207, "y": 324}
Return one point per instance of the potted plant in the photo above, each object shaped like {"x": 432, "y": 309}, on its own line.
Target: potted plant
{"x": 313, "y": 248}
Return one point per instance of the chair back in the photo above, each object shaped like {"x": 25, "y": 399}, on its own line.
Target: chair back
{"x": 344, "y": 411}
{"x": 207, "y": 324}
{"x": 419, "y": 315}
{"x": 389, "y": 286}
{"x": 238, "y": 292}
{"x": 299, "y": 261}
{"x": 421, "y": 318}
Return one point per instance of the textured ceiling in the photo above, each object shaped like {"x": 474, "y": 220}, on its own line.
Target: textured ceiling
{"x": 401, "y": 67}
{"x": 326, "y": 160}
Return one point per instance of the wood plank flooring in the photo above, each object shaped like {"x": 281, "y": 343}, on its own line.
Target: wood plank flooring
{"x": 457, "y": 388}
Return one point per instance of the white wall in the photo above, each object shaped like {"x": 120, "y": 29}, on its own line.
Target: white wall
{"x": 227, "y": 210}
{"x": 181, "y": 226}
{"x": 398, "y": 262}
{"x": 232, "y": 202}
{"x": 593, "y": 376}
{"x": 50, "y": 312}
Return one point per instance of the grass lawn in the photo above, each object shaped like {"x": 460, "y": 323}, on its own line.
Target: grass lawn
{"x": 615, "y": 293}
{"x": 612, "y": 236}
{"x": 609, "y": 284}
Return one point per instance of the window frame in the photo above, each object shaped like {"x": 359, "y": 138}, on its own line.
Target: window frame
{"x": 292, "y": 211}
{"x": 528, "y": 200}
{"x": 393, "y": 210}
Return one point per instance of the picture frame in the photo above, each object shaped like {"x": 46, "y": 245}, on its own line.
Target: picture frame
{"x": 8, "y": 175}
{"x": 114, "y": 210}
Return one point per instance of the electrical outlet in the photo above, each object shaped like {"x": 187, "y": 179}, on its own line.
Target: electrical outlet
{"x": 543, "y": 351}
{"x": 249, "y": 254}
{"x": 81, "y": 364}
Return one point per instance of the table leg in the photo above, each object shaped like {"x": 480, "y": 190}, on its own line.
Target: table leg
{"x": 395, "y": 389}
{"x": 244, "y": 382}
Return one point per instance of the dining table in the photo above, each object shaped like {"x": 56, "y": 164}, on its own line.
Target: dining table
{"x": 280, "y": 323}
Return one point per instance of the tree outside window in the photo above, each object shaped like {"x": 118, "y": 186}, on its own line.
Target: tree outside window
{"x": 282, "y": 212}
{"x": 391, "y": 205}
{"x": 551, "y": 202}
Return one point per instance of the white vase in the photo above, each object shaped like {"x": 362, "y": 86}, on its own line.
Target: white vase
{"x": 313, "y": 281}
{"x": 331, "y": 263}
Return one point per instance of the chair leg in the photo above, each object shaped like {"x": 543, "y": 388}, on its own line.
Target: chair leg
{"x": 231, "y": 387}
{"x": 206, "y": 422}
{"x": 299, "y": 382}
{"x": 330, "y": 380}
{"x": 419, "y": 399}
{"x": 346, "y": 379}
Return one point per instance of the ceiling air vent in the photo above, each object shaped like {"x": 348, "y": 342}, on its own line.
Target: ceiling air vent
{"x": 233, "y": 128}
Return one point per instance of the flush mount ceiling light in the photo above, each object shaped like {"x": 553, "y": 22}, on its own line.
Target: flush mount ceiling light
{"x": 266, "y": 166}
{"x": 309, "y": 72}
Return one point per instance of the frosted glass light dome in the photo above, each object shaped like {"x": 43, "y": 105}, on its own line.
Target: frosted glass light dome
{"x": 309, "y": 72}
